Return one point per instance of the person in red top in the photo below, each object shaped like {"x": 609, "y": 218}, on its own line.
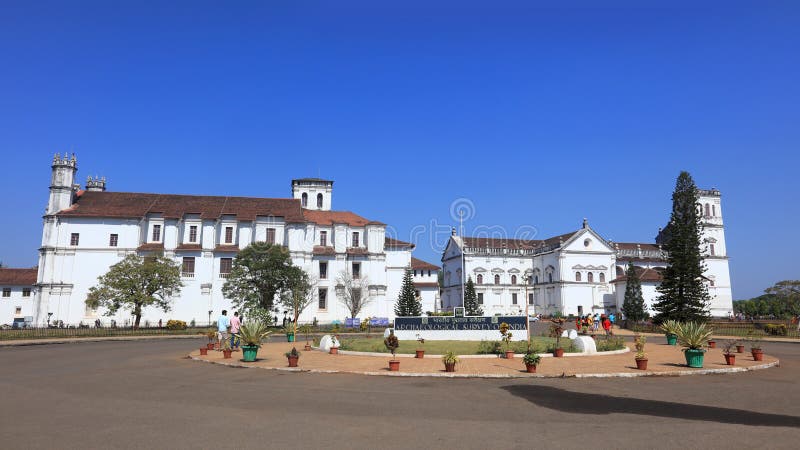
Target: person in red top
{"x": 607, "y": 325}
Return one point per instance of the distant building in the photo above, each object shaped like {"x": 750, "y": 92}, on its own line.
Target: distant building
{"x": 17, "y": 294}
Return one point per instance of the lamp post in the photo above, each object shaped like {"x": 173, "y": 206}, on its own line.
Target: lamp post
{"x": 49, "y": 315}
{"x": 209, "y": 316}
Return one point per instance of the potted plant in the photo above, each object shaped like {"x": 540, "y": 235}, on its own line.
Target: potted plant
{"x": 641, "y": 356}
{"x": 727, "y": 351}
{"x": 506, "y": 337}
{"x": 252, "y": 335}
{"x": 306, "y": 330}
{"x": 739, "y": 347}
{"x": 693, "y": 336}
{"x": 531, "y": 360}
{"x": 289, "y": 330}
{"x": 211, "y": 335}
{"x": 334, "y": 350}
{"x": 670, "y": 329}
{"x": 449, "y": 359}
{"x": 556, "y": 329}
{"x": 391, "y": 342}
{"x": 203, "y": 351}
{"x": 226, "y": 349}
{"x": 712, "y": 343}
{"x": 420, "y": 352}
{"x": 293, "y": 356}
{"x": 755, "y": 349}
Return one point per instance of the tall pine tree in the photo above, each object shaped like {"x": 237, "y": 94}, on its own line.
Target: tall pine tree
{"x": 633, "y": 305}
{"x": 684, "y": 296}
{"x": 407, "y": 303}
{"x": 471, "y": 306}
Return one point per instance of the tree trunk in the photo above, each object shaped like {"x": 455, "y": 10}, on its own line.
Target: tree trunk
{"x": 138, "y": 313}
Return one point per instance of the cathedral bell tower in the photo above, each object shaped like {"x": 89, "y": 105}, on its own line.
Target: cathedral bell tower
{"x": 62, "y": 183}
{"x": 313, "y": 193}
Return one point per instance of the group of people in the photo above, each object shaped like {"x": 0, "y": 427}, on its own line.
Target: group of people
{"x": 228, "y": 328}
{"x": 593, "y": 322}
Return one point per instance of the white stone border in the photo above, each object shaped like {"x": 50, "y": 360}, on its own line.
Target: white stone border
{"x": 647, "y": 373}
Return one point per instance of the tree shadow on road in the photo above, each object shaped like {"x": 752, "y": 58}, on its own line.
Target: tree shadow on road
{"x": 586, "y": 403}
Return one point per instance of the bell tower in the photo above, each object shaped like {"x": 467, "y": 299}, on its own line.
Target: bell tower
{"x": 313, "y": 193}
{"x": 62, "y": 183}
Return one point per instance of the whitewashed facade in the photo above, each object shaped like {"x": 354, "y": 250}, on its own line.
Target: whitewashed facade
{"x": 87, "y": 231}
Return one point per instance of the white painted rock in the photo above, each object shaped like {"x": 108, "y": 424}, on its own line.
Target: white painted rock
{"x": 585, "y": 344}
{"x": 565, "y": 333}
{"x": 573, "y": 334}
{"x": 327, "y": 342}
{"x": 386, "y": 332}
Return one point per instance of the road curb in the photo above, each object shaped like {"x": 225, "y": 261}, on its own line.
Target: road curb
{"x": 503, "y": 376}
{"x": 24, "y": 343}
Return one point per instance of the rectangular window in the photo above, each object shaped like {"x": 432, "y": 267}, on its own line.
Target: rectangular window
{"x": 113, "y": 240}
{"x": 229, "y": 235}
{"x": 156, "y": 233}
{"x": 355, "y": 239}
{"x": 225, "y": 265}
{"x": 270, "y": 235}
{"x": 323, "y": 270}
{"x": 480, "y": 298}
{"x": 356, "y": 296}
{"x": 193, "y": 233}
{"x": 18, "y": 310}
{"x": 26, "y": 292}
{"x": 323, "y": 238}
{"x": 513, "y": 299}
{"x": 323, "y": 299}
{"x": 530, "y": 299}
{"x": 356, "y": 271}
{"x": 187, "y": 270}
{"x": 6, "y": 292}
{"x": 74, "y": 238}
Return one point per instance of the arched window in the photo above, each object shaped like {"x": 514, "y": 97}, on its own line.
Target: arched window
{"x": 550, "y": 277}
{"x": 319, "y": 200}
{"x": 708, "y": 210}
{"x": 711, "y": 249}
{"x": 497, "y": 279}
{"x": 536, "y": 279}
{"x": 513, "y": 279}
{"x": 602, "y": 277}
{"x": 480, "y": 279}
{"x": 590, "y": 277}
{"x": 714, "y": 210}
{"x": 304, "y": 200}
{"x": 577, "y": 276}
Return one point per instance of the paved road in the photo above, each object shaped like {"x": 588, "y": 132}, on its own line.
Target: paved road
{"x": 145, "y": 395}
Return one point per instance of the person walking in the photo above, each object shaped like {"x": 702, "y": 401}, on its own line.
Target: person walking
{"x": 223, "y": 322}
{"x": 607, "y": 325}
{"x": 235, "y": 324}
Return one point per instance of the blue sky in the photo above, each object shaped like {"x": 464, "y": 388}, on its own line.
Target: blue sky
{"x": 538, "y": 115}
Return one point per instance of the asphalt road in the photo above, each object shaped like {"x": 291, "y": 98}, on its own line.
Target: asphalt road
{"x": 146, "y": 395}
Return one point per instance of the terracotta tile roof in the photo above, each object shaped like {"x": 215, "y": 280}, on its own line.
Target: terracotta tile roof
{"x": 426, "y": 285}
{"x": 226, "y": 248}
{"x": 324, "y": 251}
{"x": 334, "y": 217}
{"x": 189, "y": 247}
{"x": 645, "y": 275}
{"x": 515, "y": 244}
{"x": 151, "y": 247}
{"x": 419, "y": 264}
{"x": 138, "y": 205}
{"x": 18, "y": 277}
{"x": 356, "y": 251}
{"x": 391, "y": 242}
{"x": 633, "y": 246}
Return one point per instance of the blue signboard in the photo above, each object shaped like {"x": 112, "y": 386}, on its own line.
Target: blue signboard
{"x": 379, "y": 322}
{"x": 352, "y": 323}
{"x": 458, "y": 323}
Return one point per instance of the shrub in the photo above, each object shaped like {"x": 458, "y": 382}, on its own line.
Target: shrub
{"x": 490, "y": 348}
{"x": 176, "y": 325}
{"x": 776, "y": 329}
{"x": 610, "y": 343}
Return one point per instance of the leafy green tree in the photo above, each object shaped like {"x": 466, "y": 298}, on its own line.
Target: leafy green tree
{"x": 683, "y": 294}
{"x": 407, "y": 303}
{"x": 136, "y": 283}
{"x": 471, "y": 306}
{"x": 633, "y": 305}
{"x": 781, "y": 301}
{"x": 261, "y": 275}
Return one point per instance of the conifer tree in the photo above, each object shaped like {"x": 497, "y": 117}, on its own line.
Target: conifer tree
{"x": 684, "y": 296}
{"x": 633, "y": 305}
{"x": 407, "y": 303}
{"x": 471, "y": 306}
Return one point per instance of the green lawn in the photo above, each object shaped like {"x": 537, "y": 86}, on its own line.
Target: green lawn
{"x": 375, "y": 344}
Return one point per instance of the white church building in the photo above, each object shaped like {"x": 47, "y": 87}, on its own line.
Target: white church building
{"x": 88, "y": 230}
{"x": 575, "y": 273}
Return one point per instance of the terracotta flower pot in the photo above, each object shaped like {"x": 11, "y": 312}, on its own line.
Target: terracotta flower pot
{"x": 530, "y": 368}
{"x": 334, "y": 351}
{"x": 712, "y": 344}
{"x": 509, "y": 354}
{"x": 226, "y": 354}
{"x": 293, "y": 360}
{"x": 450, "y": 367}
{"x": 394, "y": 365}
{"x": 420, "y": 354}
{"x": 758, "y": 354}
{"x": 203, "y": 351}
{"x": 210, "y": 346}
{"x": 740, "y": 349}
{"x": 307, "y": 348}
{"x": 730, "y": 359}
{"x": 558, "y": 353}
{"x": 641, "y": 364}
